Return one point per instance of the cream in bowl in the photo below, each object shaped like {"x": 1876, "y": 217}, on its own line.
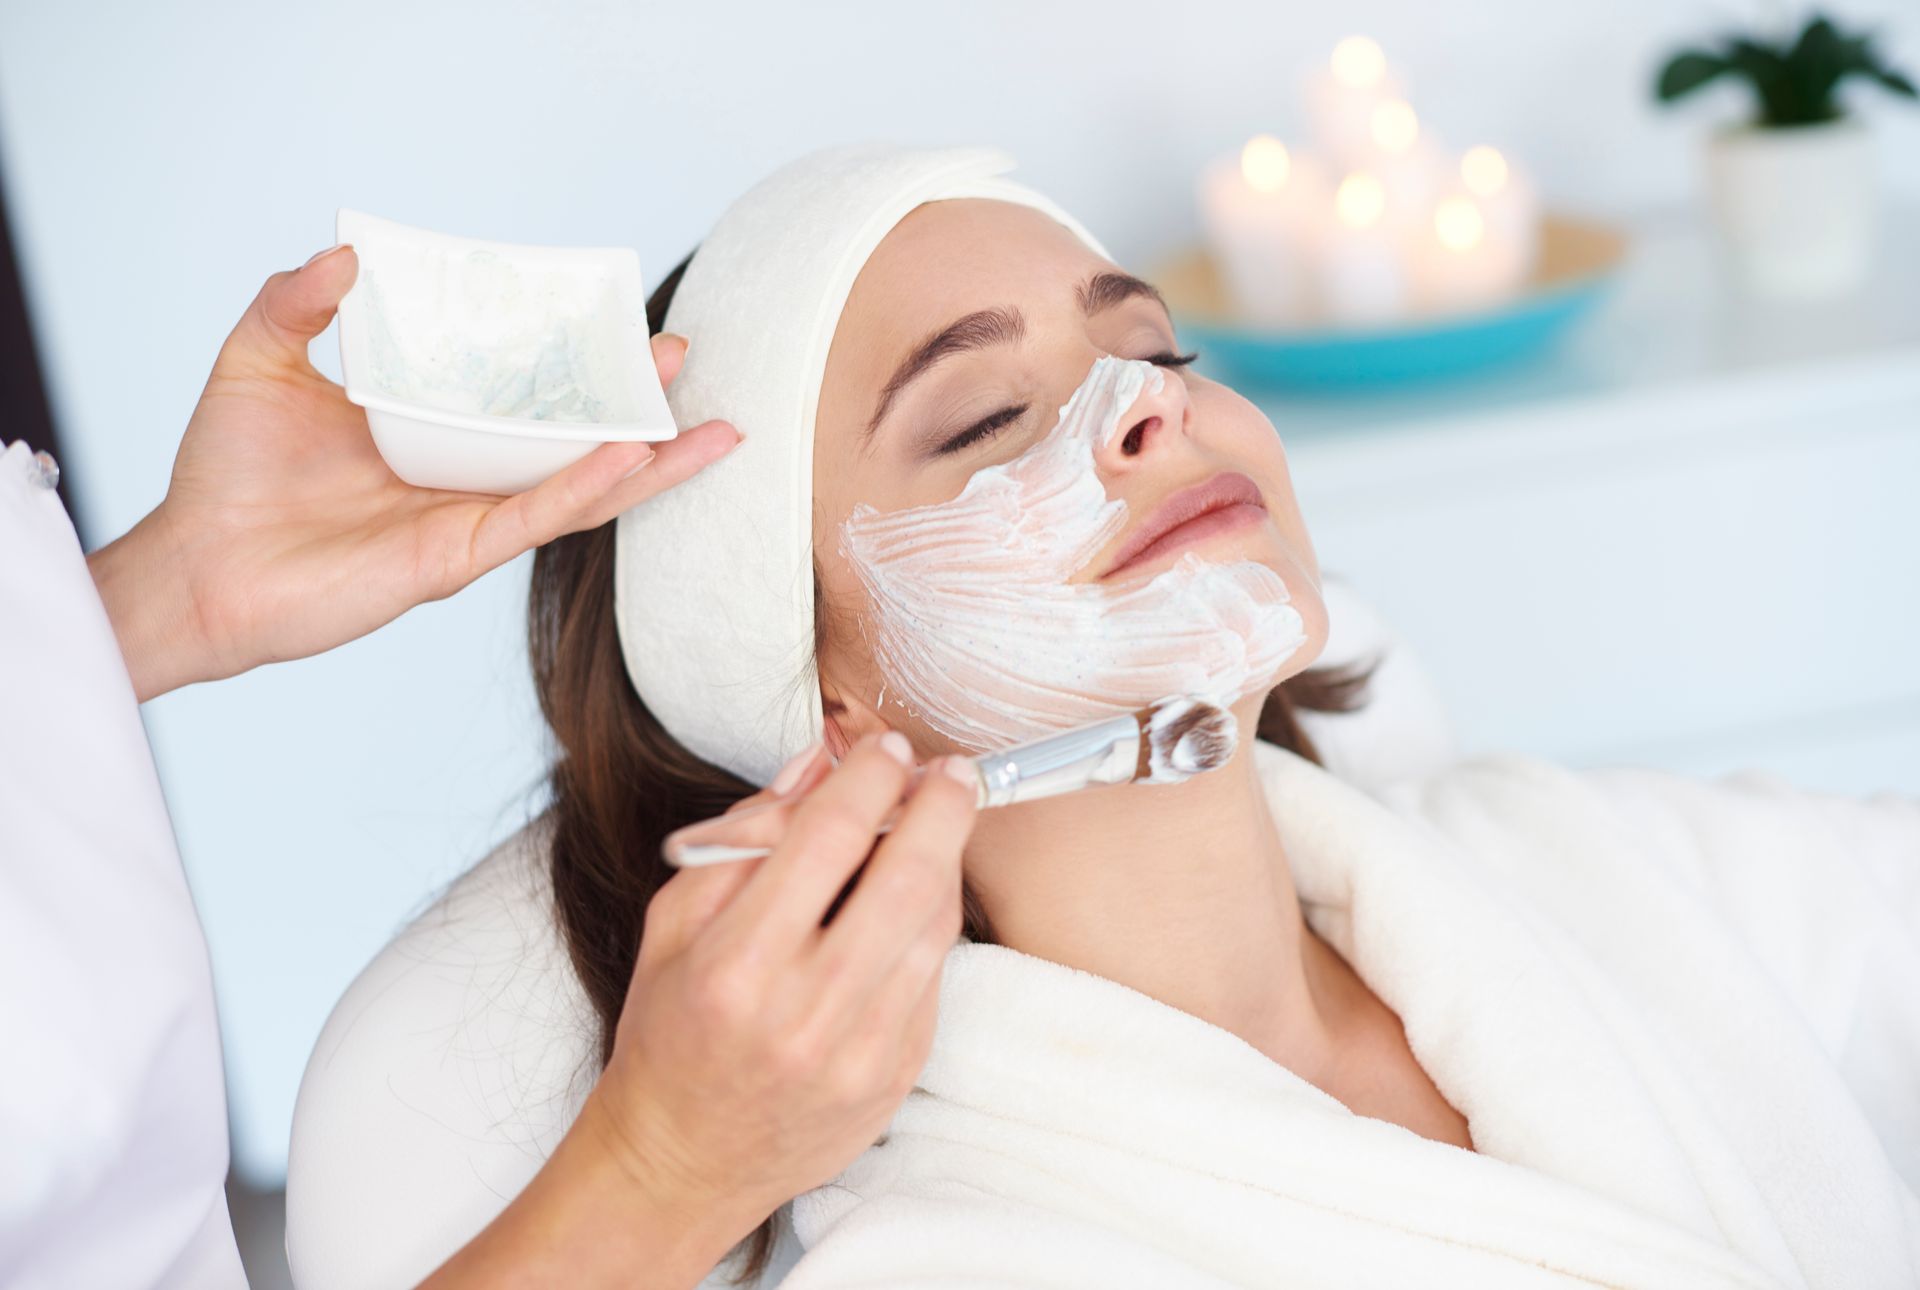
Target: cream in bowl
{"x": 488, "y": 366}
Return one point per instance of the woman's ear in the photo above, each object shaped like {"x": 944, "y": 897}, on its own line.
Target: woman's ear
{"x": 849, "y": 718}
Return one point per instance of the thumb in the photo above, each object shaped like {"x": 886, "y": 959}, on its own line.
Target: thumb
{"x": 292, "y": 308}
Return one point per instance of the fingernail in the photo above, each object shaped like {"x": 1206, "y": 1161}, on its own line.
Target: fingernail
{"x": 637, "y": 466}
{"x": 897, "y": 747}
{"x": 321, "y": 255}
{"x": 674, "y": 335}
{"x": 790, "y": 773}
{"x": 961, "y": 769}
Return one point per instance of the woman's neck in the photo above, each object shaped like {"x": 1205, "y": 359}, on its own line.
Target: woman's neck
{"x": 1182, "y": 892}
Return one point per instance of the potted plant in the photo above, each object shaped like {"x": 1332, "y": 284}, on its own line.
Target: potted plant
{"x": 1795, "y": 190}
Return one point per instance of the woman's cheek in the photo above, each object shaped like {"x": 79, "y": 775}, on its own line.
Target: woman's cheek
{"x": 1240, "y": 431}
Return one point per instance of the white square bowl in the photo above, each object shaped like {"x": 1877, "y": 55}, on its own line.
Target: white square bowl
{"x": 488, "y": 367}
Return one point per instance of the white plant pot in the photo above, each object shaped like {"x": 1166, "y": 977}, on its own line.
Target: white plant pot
{"x": 1798, "y": 206}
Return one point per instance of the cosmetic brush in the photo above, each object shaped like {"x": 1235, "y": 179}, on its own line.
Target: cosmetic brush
{"x": 1173, "y": 740}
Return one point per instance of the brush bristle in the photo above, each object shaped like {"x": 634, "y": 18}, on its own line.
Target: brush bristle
{"x": 1185, "y": 737}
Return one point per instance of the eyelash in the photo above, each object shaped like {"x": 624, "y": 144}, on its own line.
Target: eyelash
{"x": 988, "y": 426}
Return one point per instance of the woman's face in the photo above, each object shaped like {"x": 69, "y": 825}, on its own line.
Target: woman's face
{"x": 967, "y": 330}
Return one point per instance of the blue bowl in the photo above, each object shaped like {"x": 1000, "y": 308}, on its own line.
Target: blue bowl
{"x": 1578, "y": 263}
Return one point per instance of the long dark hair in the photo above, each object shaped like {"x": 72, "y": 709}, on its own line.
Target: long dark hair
{"x": 621, "y": 783}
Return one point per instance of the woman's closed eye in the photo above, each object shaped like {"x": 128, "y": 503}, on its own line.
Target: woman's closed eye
{"x": 988, "y": 426}
{"x": 985, "y": 428}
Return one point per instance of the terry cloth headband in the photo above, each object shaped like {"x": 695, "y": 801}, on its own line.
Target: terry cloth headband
{"x": 713, "y": 580}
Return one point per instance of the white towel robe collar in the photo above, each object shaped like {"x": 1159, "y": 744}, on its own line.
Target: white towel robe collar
{"x": 1647, "y": 1111}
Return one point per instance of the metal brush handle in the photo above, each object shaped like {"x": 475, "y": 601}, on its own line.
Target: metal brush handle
{"x": 1106, "y": 752}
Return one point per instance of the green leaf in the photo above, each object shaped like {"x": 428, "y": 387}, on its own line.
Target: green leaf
{"x": 1866, "y": 62}
{"x": 1856, "y": 54}
{"x": 1756, "y": 61}
{"x": 1687, "y": 72}
{"x": 1896, "y": 82}
{"x": 1818, "y": 43}
{"x": 1815, "y": 67}
{"x": 1783, "y": 100}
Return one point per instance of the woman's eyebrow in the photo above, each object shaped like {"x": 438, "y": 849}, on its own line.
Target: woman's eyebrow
{"x": 975, "y": 331}
{"x": 1105, "y": 290}
{"x": 1003, "y": 325}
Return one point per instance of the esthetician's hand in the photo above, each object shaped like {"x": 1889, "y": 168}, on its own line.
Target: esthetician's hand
{"x": 758, "y": 1053}
{"x": 284, "y": 534}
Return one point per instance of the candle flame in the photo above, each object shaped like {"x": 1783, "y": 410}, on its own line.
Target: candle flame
{"x": 1358, "y": 63}
{"x": 1458, "y": 224}
{"x": 1361, "y": 200}
{"x": 1483, "y": 170}
{"x": 1395, "y": 126}
{"x": 1265, "y": 163}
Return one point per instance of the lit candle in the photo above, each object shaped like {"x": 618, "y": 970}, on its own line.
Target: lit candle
{"x": 1460, "y": 262}
{"x": 1409, "y": 161}
{"x": 1261, "y": 214}
{"x": 1342, "y": 97}
{"x": 1363, "y": 269}
{"x": 1510, "y": 206}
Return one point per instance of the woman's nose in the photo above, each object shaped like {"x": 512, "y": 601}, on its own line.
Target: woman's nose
{"x": 1150, "y": 424}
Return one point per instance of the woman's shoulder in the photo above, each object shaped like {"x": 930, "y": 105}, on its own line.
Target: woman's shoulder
{"x": 1821, "y": 889}
{"x": 1706, "y": 831}
{"x": 1748, "y": 833}
{"x": 443, "y": 1079}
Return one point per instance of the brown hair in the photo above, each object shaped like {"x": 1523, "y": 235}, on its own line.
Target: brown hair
{"x": 620, "y": 783}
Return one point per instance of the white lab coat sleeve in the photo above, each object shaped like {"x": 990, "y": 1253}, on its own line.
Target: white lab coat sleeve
{"x": 1824, "y": 889}
{"x": 113, "y": 1137}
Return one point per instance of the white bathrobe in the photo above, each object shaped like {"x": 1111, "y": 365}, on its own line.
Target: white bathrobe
{"x": 1681, "y": 1018}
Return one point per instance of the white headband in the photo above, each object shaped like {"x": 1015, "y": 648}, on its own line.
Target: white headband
{"x": 713, "y": 580}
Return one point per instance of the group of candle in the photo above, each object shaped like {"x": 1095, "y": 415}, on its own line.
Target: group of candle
{"x": 1380, "y": 223}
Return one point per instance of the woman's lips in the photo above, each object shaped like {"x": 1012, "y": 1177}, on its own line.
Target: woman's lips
{"x": 1191, "y": 515}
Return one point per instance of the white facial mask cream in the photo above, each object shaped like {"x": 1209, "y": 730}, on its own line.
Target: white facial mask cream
{"x": 982, "y": 636}
{"x": 472, "y": 332}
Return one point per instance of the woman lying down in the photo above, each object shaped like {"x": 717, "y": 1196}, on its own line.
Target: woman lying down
{"x": 1505, "y": 1025}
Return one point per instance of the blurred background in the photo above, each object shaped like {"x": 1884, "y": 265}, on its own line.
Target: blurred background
{"x": 1682, "y": 533}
